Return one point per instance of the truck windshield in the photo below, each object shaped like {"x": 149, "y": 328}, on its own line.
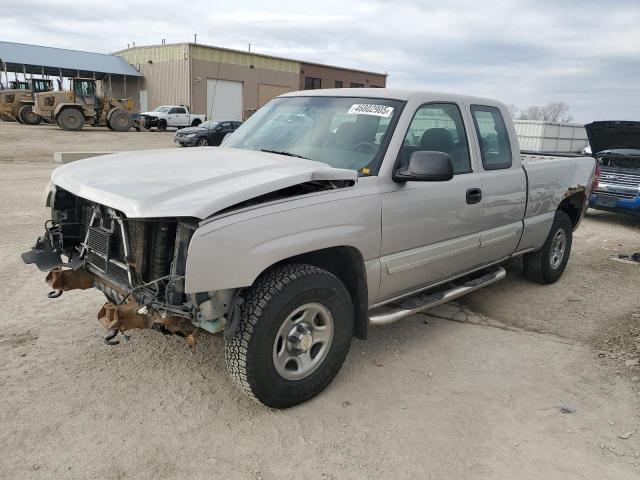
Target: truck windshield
{"x": 343, "y": 132}
{"x": 162, "y": 109}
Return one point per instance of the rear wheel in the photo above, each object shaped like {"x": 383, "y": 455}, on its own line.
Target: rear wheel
{"x": 71, "y": 119}
{"x": 162, "y": 125}
{"x": 120, "y": 121}
{"x": 28, "y": 116}
{"x": 196, "y": 122}
{"x": 546, "y": 265}
{"x": 203, "y": 142}
{"x": 292, "y": 336}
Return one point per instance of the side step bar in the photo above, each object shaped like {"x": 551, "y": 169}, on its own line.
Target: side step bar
{"x": 425, "y": 300}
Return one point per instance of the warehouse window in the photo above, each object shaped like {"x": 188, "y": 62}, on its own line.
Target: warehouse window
{"x": 357, "y": 85}
{"x": 338, "y": 83}
{"x": 495, "y": 147}
{"x": 311, "y": 83}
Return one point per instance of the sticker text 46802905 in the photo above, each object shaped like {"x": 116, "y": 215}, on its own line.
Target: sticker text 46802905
{"x": 371, "y": 109}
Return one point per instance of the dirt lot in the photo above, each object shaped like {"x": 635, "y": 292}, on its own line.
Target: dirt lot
{"x": 472, "y": 390}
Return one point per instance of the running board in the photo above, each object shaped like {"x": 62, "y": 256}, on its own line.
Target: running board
{"x": 425, "y": 300}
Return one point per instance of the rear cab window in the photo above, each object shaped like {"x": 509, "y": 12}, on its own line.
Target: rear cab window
{"x": 495, "y": 147}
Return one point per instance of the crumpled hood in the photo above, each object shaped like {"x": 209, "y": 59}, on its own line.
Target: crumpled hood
{"x": 610, "y": 135}
{"x": 186, "y": 183}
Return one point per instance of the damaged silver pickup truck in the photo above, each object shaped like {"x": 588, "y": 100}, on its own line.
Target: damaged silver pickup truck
{"x": 327, "y": 212}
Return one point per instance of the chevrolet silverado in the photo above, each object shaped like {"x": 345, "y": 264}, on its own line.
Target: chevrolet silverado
{"x": 326, "y": 213}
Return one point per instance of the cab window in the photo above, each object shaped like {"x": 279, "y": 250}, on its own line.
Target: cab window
{"x": 437, "y": 127}
{"x": 85, "y": 88}
{"x": 495, "y": 147}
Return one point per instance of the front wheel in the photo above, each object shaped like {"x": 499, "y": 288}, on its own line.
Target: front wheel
{"x": 162, "y": 125}
{"x": 28, "y": 116}
{"x": 292, "y": 337}
{"x": 203, "y": 142}
{"x": 120, "y": 121}
{"x": 546, "y": 265}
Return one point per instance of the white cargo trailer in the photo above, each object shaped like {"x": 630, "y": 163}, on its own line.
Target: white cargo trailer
{"x": 550, "y": 137}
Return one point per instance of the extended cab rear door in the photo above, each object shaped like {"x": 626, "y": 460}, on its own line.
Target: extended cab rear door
{"x": 178, "y": 117}
{"x": 502, "y": 180}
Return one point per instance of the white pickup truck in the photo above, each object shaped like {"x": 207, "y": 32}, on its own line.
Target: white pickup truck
{"x": 170, "y": 116}
{"x": 326, "y": 213}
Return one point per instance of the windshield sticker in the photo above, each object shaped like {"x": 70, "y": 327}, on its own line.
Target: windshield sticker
{"x": 371, "y": 109}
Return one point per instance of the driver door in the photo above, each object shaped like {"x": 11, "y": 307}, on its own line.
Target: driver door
{"x": 431, "y": 230}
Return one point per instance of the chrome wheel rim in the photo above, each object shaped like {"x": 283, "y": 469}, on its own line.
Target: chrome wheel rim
{"x": 558, "y": 246}
{"x": 303, "y": 341}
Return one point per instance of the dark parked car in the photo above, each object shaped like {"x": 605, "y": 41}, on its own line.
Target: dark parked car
{"x": 209, "y": 133}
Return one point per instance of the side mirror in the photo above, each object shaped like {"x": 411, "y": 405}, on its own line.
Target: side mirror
{"x": 426, "y": 166}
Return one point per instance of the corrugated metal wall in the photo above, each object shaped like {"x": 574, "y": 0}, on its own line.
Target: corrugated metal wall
{"x": 118, "y": 89}
{"x": 157, "y": 53}
{"x": 212, "y": 54}
{"x": 166, "y": 74}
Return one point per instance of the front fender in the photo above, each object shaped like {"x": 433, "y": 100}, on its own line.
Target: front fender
{"x": 233, "y": 251}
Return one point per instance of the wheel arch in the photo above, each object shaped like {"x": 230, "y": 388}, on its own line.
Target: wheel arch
{"x": 574, "y": 205}
{"x": 64, "y": 106}
{"x": 347, "y": 264}
{"x": 111, "y": 111}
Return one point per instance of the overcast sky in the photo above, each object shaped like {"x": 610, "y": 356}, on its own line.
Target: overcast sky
{"x": 583, "y": 52}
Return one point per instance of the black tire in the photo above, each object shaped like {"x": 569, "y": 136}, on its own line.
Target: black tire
{"x": 27, "y": 116}
{"x": 120, "y": 120}
{"x": 196, "y": 122}
{"x": 202, "y": 142}
{"x": 250, "y": 345}
{"x": 544, "y": 266}
{"x": 162, "y": 125}
{"x": 70, "y": 119}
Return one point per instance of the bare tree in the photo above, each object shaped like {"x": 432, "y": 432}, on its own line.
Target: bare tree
{"x": 553, "y": 112}
{"x": 558, "y": 112}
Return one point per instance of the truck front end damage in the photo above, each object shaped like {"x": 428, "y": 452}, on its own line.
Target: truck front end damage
{"x": 139, "y": 265}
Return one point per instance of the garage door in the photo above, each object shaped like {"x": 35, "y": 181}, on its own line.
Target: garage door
{"x": 224, "y": 100}
{"x": 267, "y": 92}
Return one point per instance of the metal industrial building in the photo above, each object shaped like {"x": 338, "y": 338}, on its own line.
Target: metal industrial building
{"x": 228, "y": 84}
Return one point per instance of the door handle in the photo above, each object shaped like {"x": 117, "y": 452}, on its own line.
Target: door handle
{"x": 474, "y": 195}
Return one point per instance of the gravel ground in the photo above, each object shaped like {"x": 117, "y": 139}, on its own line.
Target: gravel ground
{"x": 475, "y": 389}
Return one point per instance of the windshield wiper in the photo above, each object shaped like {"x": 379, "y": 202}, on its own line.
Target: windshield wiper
{"x": 288, "y": 154}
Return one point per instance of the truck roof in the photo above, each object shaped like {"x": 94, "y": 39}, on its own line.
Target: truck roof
{"x": 388, "y": 93}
